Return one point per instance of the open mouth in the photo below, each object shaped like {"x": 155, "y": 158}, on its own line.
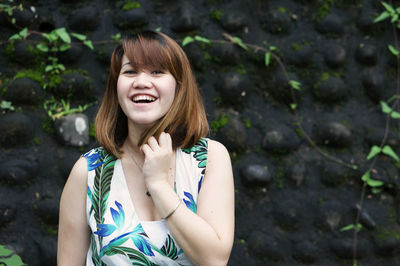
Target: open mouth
{"x": 143, "y": 99}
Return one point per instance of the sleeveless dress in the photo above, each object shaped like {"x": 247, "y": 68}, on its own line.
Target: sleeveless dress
{"x": 117, "y": 236}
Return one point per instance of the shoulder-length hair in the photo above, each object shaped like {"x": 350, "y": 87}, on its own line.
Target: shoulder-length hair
{"x": 186, "y": 119}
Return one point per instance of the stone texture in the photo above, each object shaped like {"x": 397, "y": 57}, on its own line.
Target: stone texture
{"x": 305, "y": 252}
{"x": 233, "y": 21}
{"x": 75, "y": 86}
{"x": 233, "y": 134}
{"x": 125, "y": 20}
{"x": 280, "y": 139}
{"x": 24, "y": 91}
{"x": 335, "y": 56}
{"x": 256, "y": 174}
{"x": 84, "y": 19}
{"x": 366, "y": 54}
{"x": 232, "y": 88}
{"x": 185, "y": 19}
{"x": 332, "y": 134}
{"x": 265, "y": 245}
{"x": 331, "y": 24}
{"x": 16, "y": 130}
{"x": 18, "y": 171}
{"x": 343, "y": 248}
{"x": 331, "y": 90}
{"x": 73, "y": 129}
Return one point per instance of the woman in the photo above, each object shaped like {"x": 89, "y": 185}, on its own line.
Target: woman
{"x": 156, "y": 192}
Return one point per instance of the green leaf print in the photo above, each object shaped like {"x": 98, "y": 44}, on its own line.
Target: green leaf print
{"x": 169, "y": 249}
{"x": 136, "y": 257}
{"x": 199, "y": 151}
{"x": 95, "y": 255}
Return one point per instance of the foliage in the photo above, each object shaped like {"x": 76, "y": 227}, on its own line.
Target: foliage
{"x": 219, "y": 123}
{"x": 8, "y": 257}
{"x": 6, "y": 105}
{"x": 56, "y": 109}
{"x": 130, "y": 5}
{"x": 9, "y": 9}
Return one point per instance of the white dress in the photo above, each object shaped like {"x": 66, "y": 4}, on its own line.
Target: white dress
{"x": 117, "y": 235}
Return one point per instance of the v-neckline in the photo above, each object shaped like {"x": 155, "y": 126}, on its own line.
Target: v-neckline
{"x": 126, "y": 190}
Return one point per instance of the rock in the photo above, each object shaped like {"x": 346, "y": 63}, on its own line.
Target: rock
{"x": 233, "y": 134}
{"x": 330, "y": 216}
{"x": 73, "y": 54}
{"x": 305, "y": 252}
{"x": 47, "y": 247}
{"x": 256, "y": 174}
{"x": 233, "y": 20}
{"x": 280, "y": 88}
{"x": 276, "y": 22}
{"x": 332, "y": 134}
{"x": 84, "y": 19}
{"x": 7, "y": 213}
{"x": 335, "y": 56}
{"x": 288, "y": 214}
{"x": 24, "y": 91}
{"x": 74, "y": 86}
{"x": 280, "y": 138}
{"x": 196, "y": 56}
{"x": 333, "y": 174}
{"x": 331, "y": 24}
{"x": 73, "y": 129}
{"x": 127, "y": 20}
{"x": 185, "y": 20}
{"x": 374, "y": 85}
{"x": 47, "y": 210}
{"x": 343, "y": 248}
{"x": 25, "y": 17}
{"x": 226, "y": 54}
{"x": 297, "y": 172}
{"x": 103, "y": 53}
{"x": 16, "y": 130}
{"x": 265, "y": 246}
{"x": 331, "y": 90}
{"x": 18, "y": 171}
{"x": 302, "y": 56}
{"x": 23, "y": 53}
{"x": 388, "y": 246}
{"x": 232, "y": 88}
{"x": 366, "y": 54}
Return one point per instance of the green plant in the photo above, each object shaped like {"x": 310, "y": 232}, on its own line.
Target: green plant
{"x": 56, "y": 109}
{"x": 9, "y": 257}
{"x": 9, "y": 9}
{"x": 7, "y": 106}
{"x": 216, "y": 14}
{"x": 130, "y": 5}
{"x": 219, "y": 123}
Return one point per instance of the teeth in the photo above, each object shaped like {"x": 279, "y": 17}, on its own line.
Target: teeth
{"x": 143, "y": 98}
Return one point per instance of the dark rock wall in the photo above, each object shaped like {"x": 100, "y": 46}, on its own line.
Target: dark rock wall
{"x": 291, "y": 201}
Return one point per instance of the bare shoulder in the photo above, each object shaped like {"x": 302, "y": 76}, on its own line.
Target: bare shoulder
{"x": 79, "y": 170}
{"x": 216, "y": 148}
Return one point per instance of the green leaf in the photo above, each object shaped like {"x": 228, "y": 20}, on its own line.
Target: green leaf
{"x": 366, "y": 176}
{"x": 373, "y": 152}
{"x": 394, "y": 18}
{"x": 267, "y": 58}
{"x": 272, "y": 48}
{"x": 15, "y": 37}
{"x": 116, "y": 37}
{"x": 384, "y": 15}
{"x": 393, "y": 50}
{"x": 395, "y": 115}
{"x": 293, "y": 106}
{"x": 388, "y": 7}
{"x": 42, "y": 47}
{"x": 240, "y": 43}
{"x": 89, "y": 44}
{"x": 295, "y": 84}
{"x": 385, "y": 107}
{"x": 202, "y": 39}
{"x": 187, "y": 40}
{"x": 48, "y": 68}
{"x": 24, "y": 32}
{"x": 64, "y": 47}
{"x": 158, "y": 29}
{"x": 80, "y": 37}
{"x": 63, "y": 34}
{"x": 8, "y": 257}
{"x": 390, "y": 152}
{"x": 350, "y": 227}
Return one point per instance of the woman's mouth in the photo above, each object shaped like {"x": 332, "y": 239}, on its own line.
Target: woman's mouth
{"x": 143, "y": 99}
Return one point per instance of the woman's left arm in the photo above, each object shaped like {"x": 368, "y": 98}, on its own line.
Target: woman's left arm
{"x": 206, "y": 237}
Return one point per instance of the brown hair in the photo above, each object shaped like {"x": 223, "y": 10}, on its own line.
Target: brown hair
{"x": 186, "y": 119}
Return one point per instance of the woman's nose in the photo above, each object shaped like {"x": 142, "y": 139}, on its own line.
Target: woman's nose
{"x": 142, "y": 80}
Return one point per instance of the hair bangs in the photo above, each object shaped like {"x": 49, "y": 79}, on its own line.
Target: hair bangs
{"x": 148, "y": 53}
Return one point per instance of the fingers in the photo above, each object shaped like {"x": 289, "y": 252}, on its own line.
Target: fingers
{"x": 164, "y": 142}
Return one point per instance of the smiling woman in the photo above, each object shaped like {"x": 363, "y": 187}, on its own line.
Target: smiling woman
{"x": 157, "y": 192}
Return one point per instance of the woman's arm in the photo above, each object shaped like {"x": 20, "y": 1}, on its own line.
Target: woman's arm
{"x": 73, "y": 231}
{"x": 206, "y": 237}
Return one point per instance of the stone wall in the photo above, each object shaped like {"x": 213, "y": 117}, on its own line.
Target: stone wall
{"x": 293, "y": 198}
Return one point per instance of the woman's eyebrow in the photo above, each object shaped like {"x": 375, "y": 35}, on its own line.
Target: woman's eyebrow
{"x": 127, "y": 63}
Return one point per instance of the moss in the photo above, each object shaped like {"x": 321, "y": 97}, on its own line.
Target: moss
{"x": 130, "y": 5}
{"x": 324, "y": 9}
{"x": 247, "y": 122}
{"x": 219, "y": 123}
{"x": 31, "y": 74}
{"x": 278, "y": 178}
{"x": 92, "y": 130}
{"x": 51, "y": 230}
{"x": 216, "y": 14}
{"x": 385, "y": 234}
{"x": 240, "y": 69}
{"x": 282, "y": 9}
{"x": 297, "y": 46}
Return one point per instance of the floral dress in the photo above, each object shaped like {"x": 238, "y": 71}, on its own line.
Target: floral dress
{"x": 118, "y": 237}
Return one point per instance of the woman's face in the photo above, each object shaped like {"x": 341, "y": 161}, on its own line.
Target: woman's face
{"x": 144, "y": 95}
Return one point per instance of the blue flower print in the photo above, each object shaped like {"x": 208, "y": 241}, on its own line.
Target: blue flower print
{"x": 92, "y": 158}
{"x": 190, "y": 203}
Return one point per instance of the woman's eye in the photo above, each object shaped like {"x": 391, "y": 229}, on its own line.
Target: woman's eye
{"x": 129, "y": 72}
{"x": 155, "y": 72}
